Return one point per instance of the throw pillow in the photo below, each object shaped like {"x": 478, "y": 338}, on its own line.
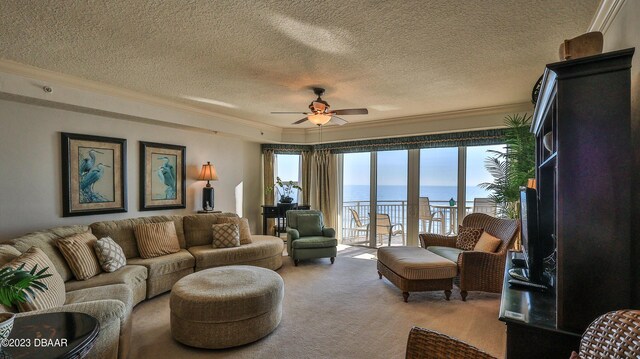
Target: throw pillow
{"x": 243, "y": 225}
{"x": 487, "y": 243}
{"x": 110, "y": 254}
{"x": 467, "y": 237}
{"x": 309, "y": 225}
{"x": 8, "y": 253}
{"x": 77, "y": 250}
{"x": 156, "y": 239}
{"x": 54, "y": 295}
{"x": 226, "y": 235}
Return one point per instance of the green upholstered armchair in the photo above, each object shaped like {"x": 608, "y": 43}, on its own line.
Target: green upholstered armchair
{"x": 307, "y": 237}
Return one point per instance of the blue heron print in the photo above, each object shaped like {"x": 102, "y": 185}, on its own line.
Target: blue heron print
{"x": 167, "y": 176}
{"x": 92, "y": 176}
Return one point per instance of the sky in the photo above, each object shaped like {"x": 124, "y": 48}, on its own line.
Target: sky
{"x": 438, "y": 167}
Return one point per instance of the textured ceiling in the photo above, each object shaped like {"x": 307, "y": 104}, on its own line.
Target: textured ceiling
{"x": 398, "y": 58}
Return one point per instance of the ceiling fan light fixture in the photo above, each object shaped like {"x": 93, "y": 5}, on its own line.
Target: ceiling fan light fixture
{"x": 319, "y": 119}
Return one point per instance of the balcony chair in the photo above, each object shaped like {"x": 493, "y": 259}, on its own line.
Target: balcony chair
{"x": 485, "y": 205}
{"x": 479, "y": 271}
{"x": 425, "y": 214}
{"x": 308, "y": 238}
{"x": 359, "y": 226}
{"x": 612, "y": 335}
{"x": 384, "y": 227}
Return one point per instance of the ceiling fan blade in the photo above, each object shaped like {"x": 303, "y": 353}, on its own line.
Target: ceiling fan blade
{"x": 287, "y": 113}
{"x": 299, "y": 121}
{"x": 338, "y": 121}
{"x": 351, "y": 111}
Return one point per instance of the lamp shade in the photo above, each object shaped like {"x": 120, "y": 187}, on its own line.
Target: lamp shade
{"x": 208, "y": 173}
{"x": 319, "y": 119}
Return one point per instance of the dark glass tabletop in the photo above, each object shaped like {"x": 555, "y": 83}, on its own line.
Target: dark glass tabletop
{"x": 51, "y": 335}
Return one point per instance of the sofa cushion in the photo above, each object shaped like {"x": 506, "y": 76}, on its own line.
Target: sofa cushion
{"x": 167, "y": 264}
{"x": 243, "y": 225}
{"x": 122, "y": 231}
{"x": 120, "y": 292}
{"x": 226, "y": 235}
{"x": 468, "y": 237}
{"x": 197, "y": 227}
{"x": 8, "y": 253}
{"x": 487, "y": 243}
{"x": 156, "y": 239}
{"x": 261, "y": 247}
{"x": 110, "y": 254}
{"x": 314, "y": 242}
{"x": 46, "y": 240}
{"x": 309, "y": 225}
{"x": 53, "y": 296}
{"x": 81, "y": 258}
{"x": 129, "y": 274}
{"x": 446, "y": 252}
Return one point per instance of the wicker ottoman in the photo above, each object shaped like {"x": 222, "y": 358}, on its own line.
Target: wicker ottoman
{"x": 226, "y": 306}
{"x": 415, "y": 269}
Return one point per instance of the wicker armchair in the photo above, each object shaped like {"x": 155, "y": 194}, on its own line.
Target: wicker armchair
{"x": 428, "y": 344}
{"x": 480, "y": 271}
{"x": 613, "y": 335}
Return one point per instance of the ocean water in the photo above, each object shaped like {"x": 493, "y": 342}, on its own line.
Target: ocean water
{"x": 399, "y": 193}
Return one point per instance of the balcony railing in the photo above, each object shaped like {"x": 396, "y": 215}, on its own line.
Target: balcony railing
{"x": 397, "y": 211}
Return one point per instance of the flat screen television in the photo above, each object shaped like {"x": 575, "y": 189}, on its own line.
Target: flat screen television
{"x": 532, "y": 246}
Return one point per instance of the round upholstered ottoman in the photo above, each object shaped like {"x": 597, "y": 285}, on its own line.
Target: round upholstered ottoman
{"x": 226, "y": 306}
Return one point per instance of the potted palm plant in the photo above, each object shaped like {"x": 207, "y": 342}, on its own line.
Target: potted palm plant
{"x": 18, "y": 286}
{"x": 513, "y": 167}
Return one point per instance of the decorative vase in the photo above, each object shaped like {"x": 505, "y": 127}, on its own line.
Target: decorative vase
{"x": 452, "y": 202}
{"x": 6, "y": 324}
{"x": 547, "y": 141}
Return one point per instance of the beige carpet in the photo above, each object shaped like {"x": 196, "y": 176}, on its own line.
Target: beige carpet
{"x": 337, "y": 311}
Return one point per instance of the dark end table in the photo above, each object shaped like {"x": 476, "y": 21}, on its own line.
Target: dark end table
{"x": 51, "y": 335}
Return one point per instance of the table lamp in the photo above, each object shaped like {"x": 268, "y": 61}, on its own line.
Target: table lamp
{"x": 208, "y": 173}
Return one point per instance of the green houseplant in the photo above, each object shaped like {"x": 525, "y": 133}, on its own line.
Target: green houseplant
{"x": 512, "y": 167}
{"x": 284, "y": 190}
{"x": 18, "y": 286}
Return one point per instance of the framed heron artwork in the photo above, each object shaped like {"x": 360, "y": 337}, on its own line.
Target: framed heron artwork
{"x": 94, "y": 175}
{"x": 162, "y": 176}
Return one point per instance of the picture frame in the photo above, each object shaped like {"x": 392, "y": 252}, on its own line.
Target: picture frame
{"x": 162, "y": 176}
{"x": 94, "y": 174}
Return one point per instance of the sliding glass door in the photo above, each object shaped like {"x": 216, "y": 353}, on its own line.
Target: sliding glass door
{"x": 391, "y": 198}
{"x": 356, "y": 196}
{"x": 438, "y": 201}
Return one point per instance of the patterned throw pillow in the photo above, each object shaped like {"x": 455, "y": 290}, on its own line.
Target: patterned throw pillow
{"x": 226, "y": 235}
{"x": 54, "y": 295}
{"x": 156, "y": 239}
{"x": 110, "y": 254}
{"x": 468, "y": 237}
{"x": 77, "y": 250}
{"x": 243, "y": 225}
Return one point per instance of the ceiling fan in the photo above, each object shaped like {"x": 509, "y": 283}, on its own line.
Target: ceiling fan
{"x": 321, "y": 114}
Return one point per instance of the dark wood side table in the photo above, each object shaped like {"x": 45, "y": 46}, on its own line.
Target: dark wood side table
{"x": 201, "y": 212}
{"x": 278, "y": 213}
{"x": 44, "y": 336}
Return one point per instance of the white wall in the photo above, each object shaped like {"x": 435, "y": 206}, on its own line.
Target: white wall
{"x": 30, "y": 166}
{"x": 624, "y": 32}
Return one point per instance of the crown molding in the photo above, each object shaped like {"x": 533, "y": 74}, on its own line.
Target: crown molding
{"x": 47, "y": 76}
{"x": 604, "y": 16}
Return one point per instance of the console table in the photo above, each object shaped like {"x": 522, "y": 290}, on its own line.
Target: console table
{"x": 52, "y": 335}
{"x": 279, "y": 214}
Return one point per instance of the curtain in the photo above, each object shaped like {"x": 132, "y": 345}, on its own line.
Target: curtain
{"x": 324, "y": 183}
{"x": 305, "y": 177}
{"x": 269, "y": 167}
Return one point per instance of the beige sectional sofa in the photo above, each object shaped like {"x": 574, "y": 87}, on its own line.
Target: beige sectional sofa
{"x": 110, "y": 297}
